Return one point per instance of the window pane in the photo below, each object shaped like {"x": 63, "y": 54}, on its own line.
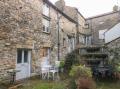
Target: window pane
{"x": 46, "y": 25}
{"x": 25, "y": 56}
{"x": 43, "y": 27}
{"x": 101, "y": 34}
{"x": 19, "y": 56}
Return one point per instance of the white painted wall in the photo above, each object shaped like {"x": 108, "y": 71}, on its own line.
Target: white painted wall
{"x": 113, "y": 33}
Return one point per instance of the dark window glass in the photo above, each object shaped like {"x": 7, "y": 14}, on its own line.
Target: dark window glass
{"x": 25, "y": 56}
{"x": 47, "y": 29}
{"x": 44, "y": 28}
{"x": 63, "y": 41}
{"x": 19, "y": 56}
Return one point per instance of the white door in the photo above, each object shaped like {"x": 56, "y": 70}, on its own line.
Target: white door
{"x": 23, "y": 63}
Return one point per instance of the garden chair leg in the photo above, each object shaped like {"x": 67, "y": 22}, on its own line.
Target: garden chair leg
{"x": 53, "y": 76}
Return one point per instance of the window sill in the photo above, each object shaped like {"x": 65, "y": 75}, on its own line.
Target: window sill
{"x": 64, "y": 46}
{"x": 46, "y": 32}
{"x": 46, "y": 17}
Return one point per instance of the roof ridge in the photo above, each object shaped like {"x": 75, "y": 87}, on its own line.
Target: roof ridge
{"x": 104, "y": 14}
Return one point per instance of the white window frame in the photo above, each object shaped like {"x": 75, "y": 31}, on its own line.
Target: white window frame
{"x": 102, "y": 34}
{"x": 46, "y": 9}
{"x": 46, "y": 25}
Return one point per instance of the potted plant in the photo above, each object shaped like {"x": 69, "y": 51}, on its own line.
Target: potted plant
{"x": 82, "y": 76}
{"x": 62, "y": 63}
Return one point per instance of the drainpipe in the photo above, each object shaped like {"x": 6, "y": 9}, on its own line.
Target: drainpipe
{"x": 58, "y": 19}
{"x": 58, "y": 24}
{"x": 77, "y": 34}
{"x": 58, "y": 28}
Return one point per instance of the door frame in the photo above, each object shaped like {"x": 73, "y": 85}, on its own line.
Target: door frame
{"x": 29, "y": 60}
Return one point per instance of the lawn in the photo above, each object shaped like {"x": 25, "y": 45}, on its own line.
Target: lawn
{"x": 45, "y": 84}
{"x": 108, "y": 84}
{"x": 48, "y": 84}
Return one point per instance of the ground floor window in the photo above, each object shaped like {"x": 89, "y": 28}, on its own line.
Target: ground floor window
{"x": 22, "y": 56}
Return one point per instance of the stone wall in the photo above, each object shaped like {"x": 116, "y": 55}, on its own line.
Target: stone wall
{"x": 114, "y": 44}
{"x": 66, "y": 27}
{"x": 77, "y": 16}
{"x": 20, "y": 27}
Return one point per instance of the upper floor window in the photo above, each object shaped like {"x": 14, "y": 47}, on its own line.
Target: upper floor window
{"x": 102, "y": 34}
{"x": 46, "y": 9}
{"x": 81, "y": 39}
{"x": 46, "y": 25}
{"x": 86, "y": 26}
{"x": 88, "y": 40}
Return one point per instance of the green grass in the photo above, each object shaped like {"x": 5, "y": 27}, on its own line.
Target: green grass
{"x": 108, "y": 84}
{"x": 46, "y": 84}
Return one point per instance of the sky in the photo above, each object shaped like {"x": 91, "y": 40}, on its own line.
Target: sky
{"x": 90, "y": 8}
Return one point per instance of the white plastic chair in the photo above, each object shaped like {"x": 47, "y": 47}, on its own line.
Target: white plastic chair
{"x": 44, "y": 68}
{"x": 44, "y": 72}
{"x": 55, "y": 69}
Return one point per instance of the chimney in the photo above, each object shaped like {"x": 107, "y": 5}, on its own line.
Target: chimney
{"x": 115, "y": 8}
{"x": 60, "y": 4}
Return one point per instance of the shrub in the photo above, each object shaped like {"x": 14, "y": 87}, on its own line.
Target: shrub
{"x": 117, "y": 67}
{"x": 72, "y": 84}
{"x": 80, "y": 71}
{"x": 62, "y": 63}
{"x": 81, "y": 78}
{"x": 70, "y": 60}
{"x": 114, "y": 61}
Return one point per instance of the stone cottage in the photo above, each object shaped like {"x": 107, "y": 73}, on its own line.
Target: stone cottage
{"x": 100, "y": 23}
{"x": 33, "y": 29}
{"x": 29, "y": 31}
{"x": 83, "y": 32}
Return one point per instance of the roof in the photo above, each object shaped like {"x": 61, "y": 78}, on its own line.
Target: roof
{"x": 54, "y": 7}
{"x": 112, "y": 41}
{"x": 77, "y": 11}
{"x": 112, "y": 36}
{"x": 97, "y": 16}
{"x": 111, "y": 27}
{"x": 80, "y": 13}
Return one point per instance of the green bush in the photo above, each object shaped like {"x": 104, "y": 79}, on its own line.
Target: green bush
{"x": 117, "y": 67}
{"x": 62, "y": 63}
{"x": 114, "y": 61}
{"x": 72, "y": 84}
{"x": 70, "y": 60}
{"x": 81, "y": 78}
{"x": 80, "y": 71}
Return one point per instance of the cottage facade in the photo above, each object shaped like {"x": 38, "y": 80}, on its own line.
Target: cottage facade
{"x": 83, "y": 32}
{"x": 29, "y": 33}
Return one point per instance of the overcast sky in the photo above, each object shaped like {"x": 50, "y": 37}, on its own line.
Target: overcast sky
{"x": 90, "y": 8}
